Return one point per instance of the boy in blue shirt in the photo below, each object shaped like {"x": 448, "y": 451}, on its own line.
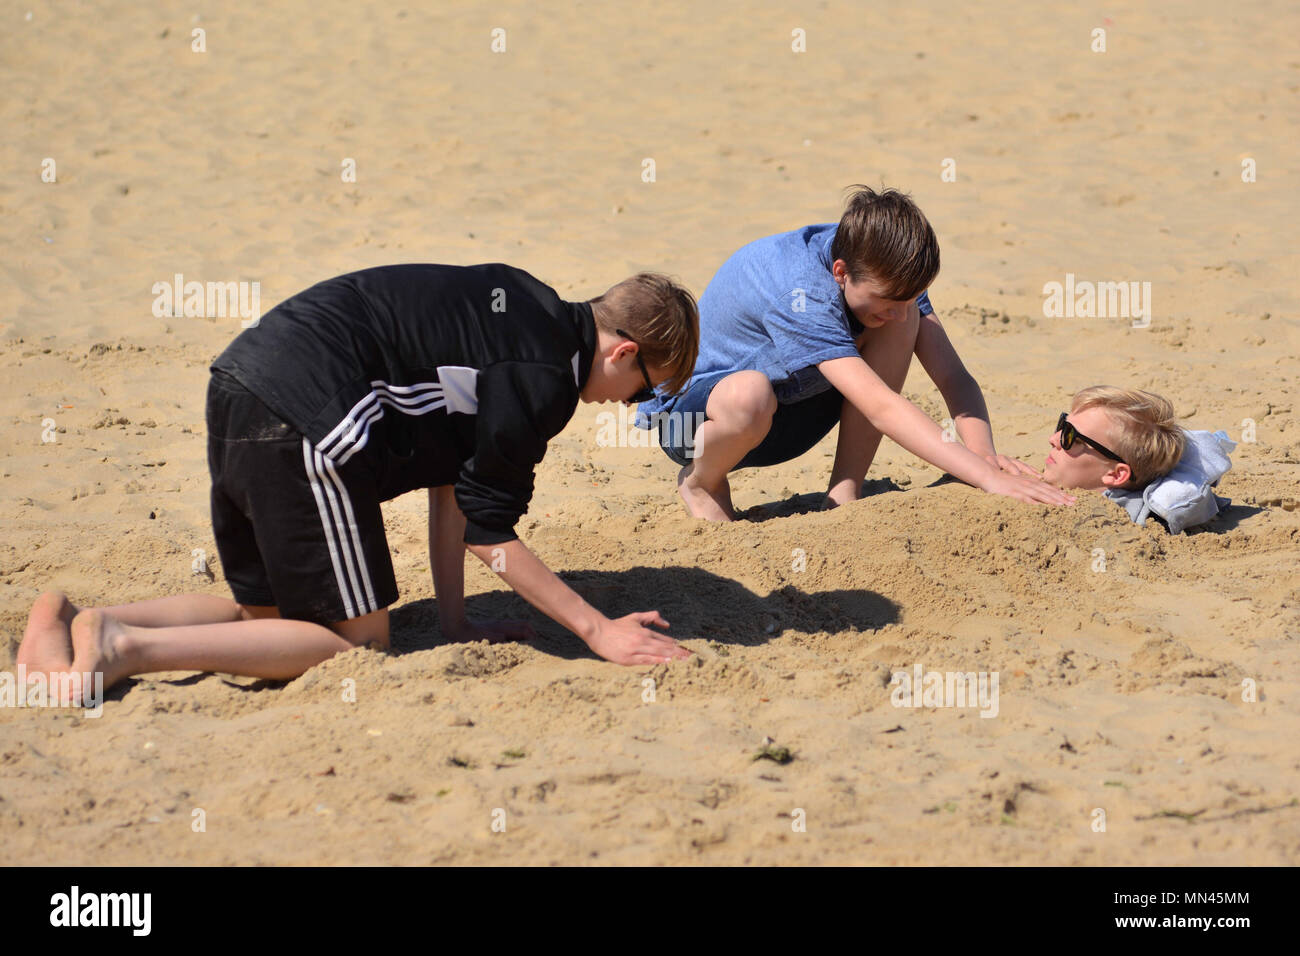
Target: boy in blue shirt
{"x": 806, "y": 329}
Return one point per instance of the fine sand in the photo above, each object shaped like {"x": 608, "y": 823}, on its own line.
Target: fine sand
{"x": 1123, "y": 653}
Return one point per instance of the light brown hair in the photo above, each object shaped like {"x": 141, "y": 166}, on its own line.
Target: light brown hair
{"x": 886, "y": 238}
{"x": 661, "y": 317}
{"x": 1149, "y": 438}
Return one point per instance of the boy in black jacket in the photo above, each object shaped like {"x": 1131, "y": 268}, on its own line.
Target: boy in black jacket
{"x": 361, "y": 388}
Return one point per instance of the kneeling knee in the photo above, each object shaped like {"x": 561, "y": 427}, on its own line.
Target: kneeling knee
{"x": 370, "y": 630}
{"x": 375, "y": 641}
{"x": 378, "y": 642}
{"x": 749, "y": 401}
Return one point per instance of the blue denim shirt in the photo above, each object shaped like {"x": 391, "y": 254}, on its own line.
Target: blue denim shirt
{"x": 774, "y": 307}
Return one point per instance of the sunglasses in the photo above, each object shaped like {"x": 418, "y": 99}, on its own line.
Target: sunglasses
{"x": 1070, "y": 434}
{"x": 647, "y": 393}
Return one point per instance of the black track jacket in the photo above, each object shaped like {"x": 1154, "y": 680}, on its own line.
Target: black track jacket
{"x": 435, "y": 374}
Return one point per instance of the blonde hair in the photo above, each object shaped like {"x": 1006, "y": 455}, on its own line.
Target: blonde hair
{"x": 660, "y": 316}
{"x": 1148, "y": 437}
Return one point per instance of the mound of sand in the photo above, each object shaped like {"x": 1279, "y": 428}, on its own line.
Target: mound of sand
{"x": 1119, "y": 689}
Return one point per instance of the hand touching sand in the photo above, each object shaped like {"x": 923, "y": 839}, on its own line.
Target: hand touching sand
{"x": 1011, "y": 466}
{"x": 1027, "y": 488}
{"x": 629, "y": 640}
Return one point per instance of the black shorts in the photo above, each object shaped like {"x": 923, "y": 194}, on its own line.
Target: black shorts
{"x": 796, "y": 427}
{"x": 293, "y": 529}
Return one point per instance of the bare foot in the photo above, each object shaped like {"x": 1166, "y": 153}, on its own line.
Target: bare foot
{"x": 834, "y": 499}
{"x": 99, "y": 646}
{"x": 842, "y": 492}
{"x": 701, "y": 502}
{"x": 47, "y": 642}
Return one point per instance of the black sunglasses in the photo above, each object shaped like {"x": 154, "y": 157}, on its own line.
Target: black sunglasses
{"x": 647, "y": 393}
{"x": 1069, "y": 434}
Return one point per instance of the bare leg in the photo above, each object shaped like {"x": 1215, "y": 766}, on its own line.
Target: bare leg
{"x": 260, "y": 646}
{"x": 47, "y": 643}
{"x": 888, "y": 350}
{"x": 739, "y": 411}
{"x": 176, "y": 610}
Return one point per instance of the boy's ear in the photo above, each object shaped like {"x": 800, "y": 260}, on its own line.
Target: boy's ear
{"x": 1118, "y": 476}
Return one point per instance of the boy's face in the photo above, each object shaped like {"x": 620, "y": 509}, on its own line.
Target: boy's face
{"x": 865, "y": 300}
{"x": 1083, "y": 466}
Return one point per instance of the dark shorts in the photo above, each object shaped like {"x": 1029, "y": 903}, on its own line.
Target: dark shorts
{"x": 800, "y": 422}
{"x": 293, "y": 530}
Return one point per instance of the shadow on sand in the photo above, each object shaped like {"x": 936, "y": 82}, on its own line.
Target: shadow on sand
{"x": 697, "y": 604}
{"x": 807, "y": 503}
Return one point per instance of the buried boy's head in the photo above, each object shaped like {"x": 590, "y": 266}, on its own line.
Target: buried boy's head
{"x": 1114, "y": 438}
{"x": 648, "y": 333}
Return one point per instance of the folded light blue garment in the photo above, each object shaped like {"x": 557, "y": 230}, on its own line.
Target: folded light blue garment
{"x": 1184, "y": 498}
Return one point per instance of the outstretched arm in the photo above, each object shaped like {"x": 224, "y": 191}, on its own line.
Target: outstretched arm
{"x": 521, "y": 405}
{"x": 906, "y": 424}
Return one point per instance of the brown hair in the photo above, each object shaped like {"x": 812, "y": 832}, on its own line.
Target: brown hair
{"x": 1148, "y": 437}
{"x": 886, "y": 238}
{"x": 660, "y": 316}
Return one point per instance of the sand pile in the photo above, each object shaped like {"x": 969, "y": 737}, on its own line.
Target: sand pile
{"x": 1118, "y": 689}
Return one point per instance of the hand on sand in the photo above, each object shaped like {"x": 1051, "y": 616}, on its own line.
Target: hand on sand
{"x": 629, "y": 640}
{"x": 1030, "y": 489}
{"x": 1011, "y": 466}
{"x": 495, "y": 632}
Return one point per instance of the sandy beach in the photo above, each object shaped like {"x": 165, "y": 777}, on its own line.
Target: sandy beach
{"x": 1126, "y": 687}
